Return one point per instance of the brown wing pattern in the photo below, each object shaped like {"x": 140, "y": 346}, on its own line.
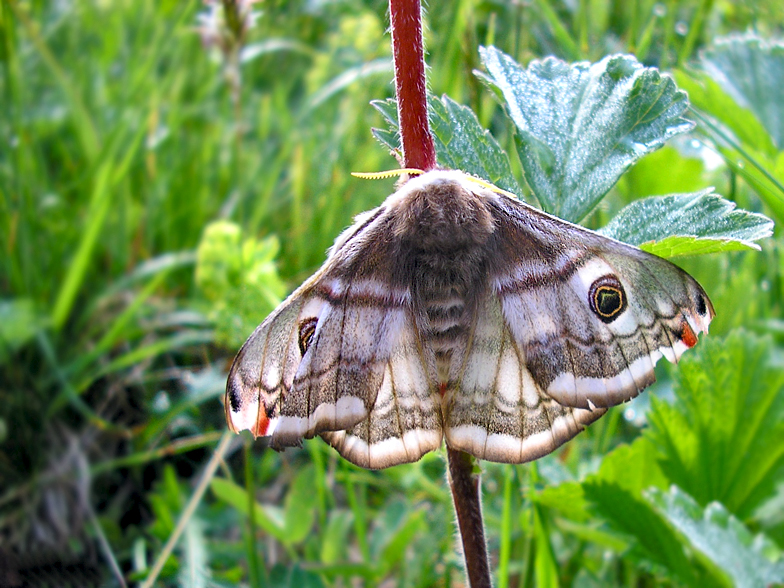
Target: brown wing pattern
{"x": 452, "y": 311}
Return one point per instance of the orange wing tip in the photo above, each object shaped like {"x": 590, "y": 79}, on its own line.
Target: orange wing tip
{"x": 262, "y": 424}
{"x": 688, "y": 336}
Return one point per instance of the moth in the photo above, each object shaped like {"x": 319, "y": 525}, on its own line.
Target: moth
{"x": 459, "y": 314}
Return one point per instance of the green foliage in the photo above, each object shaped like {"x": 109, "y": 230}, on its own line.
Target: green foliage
{"x": 238, "y": 278}
{"x": 738, "y": 97}
{"x": 159, "y": 192}
{"x": 580, "y": 126}
{"x": 572, "y": 156}
{"x": 688, "y": 224}
{"x": 460, "y": 141}
{"x": 721, "y": 438}
{"x": 615, "y": 491}
{"x": 722, "y": 539}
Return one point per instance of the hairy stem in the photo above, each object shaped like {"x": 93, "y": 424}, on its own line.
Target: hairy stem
{"x": 468, "y": 506}
{"x": 410, "y": 84}
{"x": 419, "y": 152}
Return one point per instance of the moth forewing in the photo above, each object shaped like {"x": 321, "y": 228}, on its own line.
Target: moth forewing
{"x": 264, "y": 368}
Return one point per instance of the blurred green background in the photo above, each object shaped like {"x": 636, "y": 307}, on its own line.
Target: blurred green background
{"x": 167, "y": 175}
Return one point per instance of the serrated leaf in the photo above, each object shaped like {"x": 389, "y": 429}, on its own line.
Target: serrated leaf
{"x": 654, "y": 541}
{"x": 616, "y": 493}
{"x": 460, "y": 141}
{"x": 721, "y": 438}
{"x": 632, "y": 467}
{"x": 688, "y": 224}
{"x": 720, "y": 537}
{"x": 751, "y": 70}
{"x": 581, "y": 126}
{"x": 389, "y": 137}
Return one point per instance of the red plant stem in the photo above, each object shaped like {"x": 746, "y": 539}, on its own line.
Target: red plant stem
{"x": 419, "y": 152}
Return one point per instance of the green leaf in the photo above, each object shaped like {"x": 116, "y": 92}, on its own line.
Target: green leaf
{"x": 721, "y": 438}
{"x": 632, "y": 467}
{"x": 707, "y": 95}
{"x": 751, "y": 70}
{"x": 239, "y": 278}
{"x": 721, "y": 538}
{"x": 684, "y": 174}
{"x": 293, "y": 576}
{"x": 267, "y": 517}
{"x": 567, "y": 497}
{"x": 389, "y": 137}
{"x": 460, "y": 141}
{"x": 300, "y": 507}
{"x": 654, "y": 541}
{"x": 616, "y": 492}
{"x": 398, "y": 542}
{"x": 545, "y": 565}
{"x": 392, "y": 533}
{"x": 581, "y": 126}
{"x": 740, "y": 110}
{"x": 335, "y": 538}
{"x": 688, "y": 224}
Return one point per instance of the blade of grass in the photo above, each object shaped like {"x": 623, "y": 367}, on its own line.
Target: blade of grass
{"x": 561, "y": 34}
{"x": 107, "y": 176}
{"x": 545, "y": 566}
{"x": 98, "y": 210}
{"x": 83, "y": 123}
{"x": 143, "y": 457}
{"x": 68, "y": 394}
{"x": 359, "y": 508}
{"x": 775, "y": 198}
{"x": 190, "y": 508}
{"x": 695, "y": 30}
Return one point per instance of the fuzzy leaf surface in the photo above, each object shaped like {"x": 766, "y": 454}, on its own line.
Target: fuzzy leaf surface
{"x": 580, "y": 126}
{"x": 688, "y": 224}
